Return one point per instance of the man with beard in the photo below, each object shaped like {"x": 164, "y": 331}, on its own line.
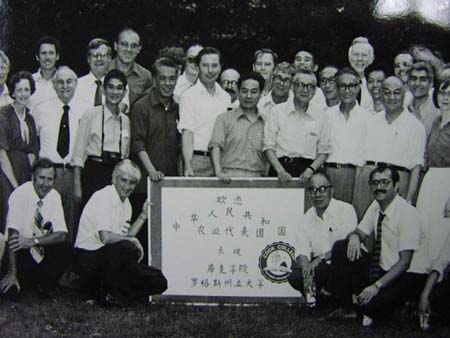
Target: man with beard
{"x": 90, "y": 86}
{"x": 199, "y": 107}
{"x": 228, "y": 80}
{"x": 236, "y": 141}
{"x": 375, "y": 282}
{"x": 281, "y": 88}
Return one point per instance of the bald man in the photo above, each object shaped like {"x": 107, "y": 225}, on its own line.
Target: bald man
{"x": 57, "y": 123}
{"x": 228, "y": 80}
{"x": 396, "y": 138}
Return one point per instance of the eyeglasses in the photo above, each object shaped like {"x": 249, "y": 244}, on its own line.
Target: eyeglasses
{"x": 285, "y": 81}
{"x": 444, "y": 93}
{"x": 307, "y": 86}
{"x": 321, "y": 190}
{"x": 350, "y": 86}
{"x": 382, "y": 183}
{"x": 126, "y": 45}
{"x": 99, "y": 56}
{"x": 229, "y": 83}
{"x": 324, "y": 81}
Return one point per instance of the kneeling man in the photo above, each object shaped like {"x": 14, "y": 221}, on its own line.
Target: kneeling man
{"x": 326, "y": 222}
{"x": 36, "y": 232}
{"x": 108, "y": 252}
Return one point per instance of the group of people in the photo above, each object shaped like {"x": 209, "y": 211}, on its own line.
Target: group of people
{"x": 370, "y": 146}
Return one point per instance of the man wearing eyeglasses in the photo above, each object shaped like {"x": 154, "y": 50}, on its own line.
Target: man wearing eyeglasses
{"x": 395, "y": 138}
{"x": 229, "y": 80}
{"x": 128, "y": 46}
{"x": 90, "y": 85}
{"x": 297, "y": 134}
{"x": 376, "y": 281}
{"x": 326, "y": 222}
{"x": 190, "y": 74}
{"x": 281, "y": 88}
{"x": 349, "y": 123}
{"x": 327, "y": 81}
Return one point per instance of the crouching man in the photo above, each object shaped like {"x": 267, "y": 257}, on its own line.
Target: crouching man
{"x": 326, "y": 222}
{"x": 108, "y": 253}
{"x": 36, "y": 231}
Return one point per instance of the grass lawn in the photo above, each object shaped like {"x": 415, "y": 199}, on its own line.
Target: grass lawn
{"x": 70, "y": 317}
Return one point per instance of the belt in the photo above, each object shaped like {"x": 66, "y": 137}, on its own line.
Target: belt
{"x": 104, "y": 161}
{"x": 286, "y": 159}
{"x": 339, "y": 165}
{"x": 384, "y": 164}
{"x": 95, "y": 158}
{"x": 202, "y": 153}
{"x": 63, "y": 165}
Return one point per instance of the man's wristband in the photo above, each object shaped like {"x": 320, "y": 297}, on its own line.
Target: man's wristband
{"x": 378, "y": 284}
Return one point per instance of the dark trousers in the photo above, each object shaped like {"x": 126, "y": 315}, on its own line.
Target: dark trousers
{"x": 137, "y": 200}
{"x": 352, "y": 277}
{"x": 294, "y": 166}
{"x": 95, "y": 176}
{"x": 46, "y": 274}
{"x": 440, "y": 298}
{"x": 114, "y": 269}
{"x": 322, "y": 276}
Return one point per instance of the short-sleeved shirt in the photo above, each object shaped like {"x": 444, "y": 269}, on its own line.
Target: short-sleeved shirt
{"x": 89, "y": 135}
{"x": 265, "y": 103}
{"x": 240, "y": 141}
{"x": 104, "y": 211}
{"x": 401, "y": 229}
{"x": 139, "y": 81}
{"x": 348, "y": 137}
{"x": 154, "y": 130}
{"x": 44, "y": 90}
{"x": 426, "y": 113}
{"x": 317, "y": 235}
{"x": 442, "y": 262}
{"x": 199, "y": 110}
{"x": 22, "y": 206}
{"x": 48, "y": 119}
{"x": 402, "y": 142}
{"x": 438, "y": 146}
{"x": 293, "y": 134}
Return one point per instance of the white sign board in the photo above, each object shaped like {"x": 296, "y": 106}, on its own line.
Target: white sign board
{"x": 229, "y": 242}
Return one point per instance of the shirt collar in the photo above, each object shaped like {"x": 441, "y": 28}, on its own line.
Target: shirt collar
{"x": 109, "y": 115}
{"x": 133, "y": 69}
{"x": 155, "y": 100}
{"x": 92, "y": 78}
{"x": 38, "y": 76}
{"x": 329, "y": 210}
{"x": 240, "y": 114}
{"x": 114, "y": 195}
{"x": 392, "y": 207}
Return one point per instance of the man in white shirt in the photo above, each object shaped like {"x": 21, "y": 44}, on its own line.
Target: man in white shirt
{"x": 395, "y": 138}
{"x": 90, "y": 85}
{"x": 326, "y": 222}
{"x": 48, "y": 51}
{"x": 107, "y": 250}
{"x": 190, "y": 74}
{"x": 57, "y": 123}
{"x": 297, "y": 134}
{"x": 327, "y": 81}
{"x": 281, "y": 88}
{"x": 36, "y": 232}
{"x": 376, "y": 282}
{"x": 199, "y": 107}
{"x": 349, "y": 123}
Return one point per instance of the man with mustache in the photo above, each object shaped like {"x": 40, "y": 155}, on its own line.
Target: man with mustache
{"x": 228, "y": 81}
{"x": 376, "y": 281}
{"x": 90, "y": 86}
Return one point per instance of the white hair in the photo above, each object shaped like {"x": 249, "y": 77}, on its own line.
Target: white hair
{"x": 126, "y": 167}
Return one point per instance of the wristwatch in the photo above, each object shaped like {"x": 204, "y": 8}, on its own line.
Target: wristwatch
{"x": 379, "y": 284}
{"x": 36, "y": 241}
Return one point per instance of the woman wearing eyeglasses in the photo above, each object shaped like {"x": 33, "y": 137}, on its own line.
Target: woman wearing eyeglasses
{"x": 435, "y": 190}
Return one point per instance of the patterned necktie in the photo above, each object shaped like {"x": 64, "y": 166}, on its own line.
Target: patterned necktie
{"x": 37, "y": 252}
{"x": 98, "y": 94}
{"x": 64, "y": 133}
{"x": 374, "y": 268}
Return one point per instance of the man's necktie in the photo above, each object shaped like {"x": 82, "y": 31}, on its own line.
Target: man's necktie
{"x": 374, "y": 268}
{"x": 64, "y": 133}
{"x": 37, "y": 252}
{"x": 98, "y": 94}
